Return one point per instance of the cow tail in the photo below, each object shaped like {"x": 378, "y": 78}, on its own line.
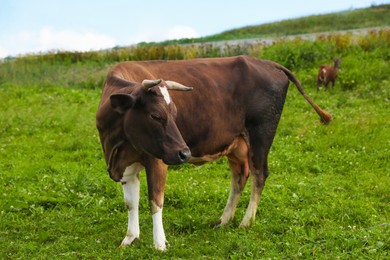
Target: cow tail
{"x": 326, "y": 118}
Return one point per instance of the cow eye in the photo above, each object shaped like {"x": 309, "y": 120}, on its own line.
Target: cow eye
{"x": 156, "y": 117}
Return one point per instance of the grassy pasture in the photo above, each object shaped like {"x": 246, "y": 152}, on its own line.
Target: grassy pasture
{"x": 327, "y": 197}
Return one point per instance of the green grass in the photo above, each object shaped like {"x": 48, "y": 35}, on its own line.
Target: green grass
{"x": 327, "y": 197}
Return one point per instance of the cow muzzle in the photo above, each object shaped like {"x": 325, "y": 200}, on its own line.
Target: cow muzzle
{"x": 177, "y": 157}
{"x": 184, "y": 155}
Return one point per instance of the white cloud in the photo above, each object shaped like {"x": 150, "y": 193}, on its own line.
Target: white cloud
{"x": 47, "y": 39}
{"x": 73, "y": 40}
{"x": 157, "y": 33}
{"x": 3, "y": 53}
{"x": 179, "y": 32}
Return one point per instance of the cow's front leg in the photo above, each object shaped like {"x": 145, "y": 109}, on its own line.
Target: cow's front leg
{"x": 131, "y": 187}
{"x": 156, "y": 173}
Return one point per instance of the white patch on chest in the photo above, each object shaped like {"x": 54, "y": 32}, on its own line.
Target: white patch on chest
{"x": 324, "y": 70}
{"x": 164, "y": 92}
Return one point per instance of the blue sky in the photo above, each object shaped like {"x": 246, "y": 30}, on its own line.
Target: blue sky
{"x": 30, "y": 26}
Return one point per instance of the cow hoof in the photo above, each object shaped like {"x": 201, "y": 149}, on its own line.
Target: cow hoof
{"x": 128, "y": 240}
{"x": 220, "y": 224}
{"x": 162, "y": 247}
{"x": 246, "y": 224}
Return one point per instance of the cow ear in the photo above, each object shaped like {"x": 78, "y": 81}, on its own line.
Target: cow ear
{"x": 122, "y": 102}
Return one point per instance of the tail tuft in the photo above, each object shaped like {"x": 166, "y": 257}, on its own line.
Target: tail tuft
{"x": 326, "y": 118}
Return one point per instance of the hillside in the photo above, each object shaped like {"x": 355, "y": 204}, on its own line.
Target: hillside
{"x": 374, "y": 16}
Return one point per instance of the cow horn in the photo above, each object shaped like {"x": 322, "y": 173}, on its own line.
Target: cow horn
{"x": 147, "y": 83}
{"x": 173, "y": 85}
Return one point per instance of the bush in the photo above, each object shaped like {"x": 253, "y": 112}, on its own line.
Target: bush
{"x": 299, "y": 54}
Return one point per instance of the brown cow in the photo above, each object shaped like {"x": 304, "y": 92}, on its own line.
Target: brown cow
{"x": 233, "y": 110}
{"x": 327, "y": 74}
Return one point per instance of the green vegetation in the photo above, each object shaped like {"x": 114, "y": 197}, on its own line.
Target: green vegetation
{"x": 327, "y": 197}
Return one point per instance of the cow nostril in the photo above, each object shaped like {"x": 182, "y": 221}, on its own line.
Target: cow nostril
{"x": 184, "y": 155}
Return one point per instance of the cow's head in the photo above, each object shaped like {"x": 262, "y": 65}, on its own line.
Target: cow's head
{"x": 149, "y": 120}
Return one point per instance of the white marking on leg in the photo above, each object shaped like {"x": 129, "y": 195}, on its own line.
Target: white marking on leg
{"x": 250, "y": 214}
{"x": 165, "y": 93}
{"x": 158, "y": 229}
{"x": 230, "y": 208}
{"x": 256, "y": 190}
{"x": 232, "y": 202}
{"x": 131, "y": 187}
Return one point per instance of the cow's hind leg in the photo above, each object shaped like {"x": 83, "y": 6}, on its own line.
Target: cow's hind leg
{"x": 131, "y": 187}
{"x": 239, "y": 165}
{"x": 258, "y": 177}
{"x": 260, "y": 143}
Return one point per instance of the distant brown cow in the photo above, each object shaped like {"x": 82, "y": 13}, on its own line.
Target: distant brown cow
{"x": 327, "y": 74}
{"x": 206, "y": 108}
